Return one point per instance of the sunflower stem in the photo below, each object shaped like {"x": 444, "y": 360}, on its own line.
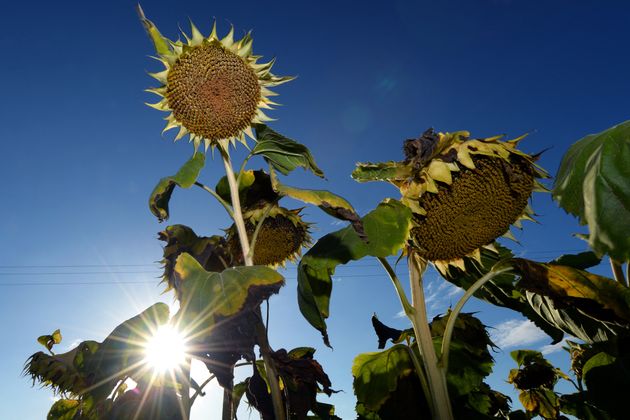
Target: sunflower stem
{"x": 437, "y": 379}
{"x": 242, "y": 169}
{"x": 199, "y": 391}
{"x": 261, "y": 332}
{"x": 227, "y": 405}
{"x": 186, "y": 401}
{"x": 224, "y": 203}
{"x": 617, "y": 270}
{"x": 450, "y": 323}
{"x": 420, "y": 371}
{"x": 409, "y": 311}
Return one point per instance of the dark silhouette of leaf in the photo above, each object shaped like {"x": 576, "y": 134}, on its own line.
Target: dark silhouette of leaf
{"x": 581, "y": 261}
{"x": 384, "y": 333}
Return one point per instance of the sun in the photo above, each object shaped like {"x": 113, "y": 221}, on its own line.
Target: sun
{"x": 166, "y": 350}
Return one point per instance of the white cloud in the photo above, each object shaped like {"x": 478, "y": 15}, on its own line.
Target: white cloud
{"x": 401, "y": 314}
{"x": 551, "y": 348}
{"x": 515, "y": 332}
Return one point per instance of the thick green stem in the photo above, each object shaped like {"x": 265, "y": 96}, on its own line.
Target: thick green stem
{"x": 450, "y": 324}
{"x": 437, "y": 379}
{"x": 186, "y": 401}
{"x": 399, "y": 289}
{"x": 417, "y": 364}
{"x": 617, "y": 270}
{"x": 409, "y": 311}
{"x": 261, "y": 332}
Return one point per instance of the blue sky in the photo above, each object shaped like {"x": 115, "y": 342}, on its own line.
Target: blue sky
{"x": 81, "y": 152}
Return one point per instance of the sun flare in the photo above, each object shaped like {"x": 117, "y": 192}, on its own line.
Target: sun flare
{"x": 166, "y": 350}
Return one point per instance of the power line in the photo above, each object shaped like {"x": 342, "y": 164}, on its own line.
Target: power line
{"x": 70, "y": 283}
{"x": 27, "y": 266}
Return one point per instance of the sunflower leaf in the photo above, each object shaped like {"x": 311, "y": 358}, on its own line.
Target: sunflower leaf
{"x": 93, "y": 369}
{"x": 283, "y": 153}
{"x": 581, "y": 261}
{"x": 330, "y": 203}
{"x": 598, "y": 297}
{"x": 386, "y": 227}
{"x": 184, "y": 178}
{"x": 207, "y": 295}
{"x": 64, "y": 410}
{"x": 384, "y": 171}
{"x": 376, "y": 375}
{"x": 593, "y": 183}
{"x": 501, "y": 290}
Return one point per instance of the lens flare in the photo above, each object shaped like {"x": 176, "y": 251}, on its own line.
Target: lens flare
{"x": 165, "y": 351}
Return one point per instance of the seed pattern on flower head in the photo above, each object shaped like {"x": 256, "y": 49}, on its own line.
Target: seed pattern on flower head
{"x": 213, "y": 92}
{"x": 214, "y": 88}
{"x": 479, "y": 206}
{"x": 281, "y": 237}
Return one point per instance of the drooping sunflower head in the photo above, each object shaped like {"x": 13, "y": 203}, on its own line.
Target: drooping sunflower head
{"x": 213, "y": 88}
{"x": 280, "y": 238}
{"x": 211, "y": 252}
{"x": 464, "y": 192}
{"x": 467, "y": 194}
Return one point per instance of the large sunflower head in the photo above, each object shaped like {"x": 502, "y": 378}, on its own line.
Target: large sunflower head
{"x": 213, "y": 88}
{"x": 464, "y": 192}
{"x": 280, "y": 237}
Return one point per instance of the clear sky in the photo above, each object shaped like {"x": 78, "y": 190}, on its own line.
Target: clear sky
{"x": 81, "y": 152}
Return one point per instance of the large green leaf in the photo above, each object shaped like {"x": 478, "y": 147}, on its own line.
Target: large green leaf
{"x": 607, "y": 376}
{"x": 185, "y": 178}
{"x": 211, "y": 252}
{"x": 581, "y": 261}
{"x": 500, "y": 290}
{"x": 122, "y": 351}
{"x": 570, "y": 320}
{"x": 593, "y": 183}
{"x": 386, "y": 227}
{"x": 91, "y": 370}
{"x": 577, "y": 406}
{"x": 282, "y": 153}
{"x": 207, "y": 295}
{"x": 64, "y": 410}
{"x": 376, "y": 375}
{"x": 470, "y": 360}
{"x": 598, "y": 297}
{"x": 332, "y": 204}
{"x": 245, "y": 180}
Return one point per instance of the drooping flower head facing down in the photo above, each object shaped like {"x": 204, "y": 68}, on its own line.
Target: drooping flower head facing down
{"x": 280, "y": 237}
{"x": 464, "y": 193}
{"x": 213, "y": 88}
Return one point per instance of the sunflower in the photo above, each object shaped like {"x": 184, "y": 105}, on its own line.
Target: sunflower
{"x": 213, "y": 88}
{"x": 280, "y": 238}
{"x": 464, "y": 193}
